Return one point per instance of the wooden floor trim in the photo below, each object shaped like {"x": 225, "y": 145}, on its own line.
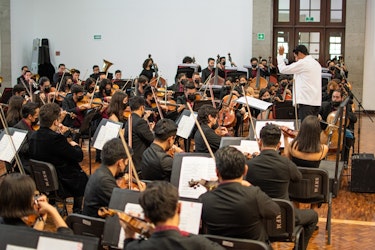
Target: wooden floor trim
{"x": 350, "y": 222}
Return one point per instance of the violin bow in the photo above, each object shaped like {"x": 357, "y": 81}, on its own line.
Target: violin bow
{"x": 93, "y": 93}
{"x": 58, "y": 86}
{"x": 201, "y": 131}
{"x": 250, "y": 116}
{"x": 295, "y": 104}
{"x": 5, "y": 126}
{"x": 157, "y": 103}
{"x": 131, "y": 163}
{"x": 126, "y": 83}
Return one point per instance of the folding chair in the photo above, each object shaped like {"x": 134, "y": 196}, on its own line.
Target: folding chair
{"x": 282, "y": 227}
{"x": 313, "y": 188}
{"x": 237, "y": 244}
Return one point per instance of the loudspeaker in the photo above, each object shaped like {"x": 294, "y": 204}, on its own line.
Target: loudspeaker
{"x": 363, "y": 173}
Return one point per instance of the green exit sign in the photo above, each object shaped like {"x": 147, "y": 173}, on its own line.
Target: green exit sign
{"x": 97, "y": 37}
{"x": 260, "y": 36}
{"x": 309, "y": 19}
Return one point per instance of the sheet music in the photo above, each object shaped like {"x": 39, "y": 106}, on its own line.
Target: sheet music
{"x": 190, "y": 216}
{"x": 106, "y": 132}
{"x": 47, "y": 243}
{"x": 13, "y": 247}
{"x": 134, "y": 210}
{"x": 247, "y": 146}
{"x": 185, "y": 126}
{"x": 254, "y": 103}
{"x": 7, "y": 152}
{"x": 260, "y": 124}
{"x": 196, "y": 168}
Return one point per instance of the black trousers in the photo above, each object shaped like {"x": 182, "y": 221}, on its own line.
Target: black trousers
{"x": 308, "y": 218}
{"x": 305, "y": 110}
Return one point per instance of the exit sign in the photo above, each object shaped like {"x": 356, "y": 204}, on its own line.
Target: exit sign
{"x": 309, "y": 19}
{"x": 260, "y": 36}
{"x": 97, "y": 37}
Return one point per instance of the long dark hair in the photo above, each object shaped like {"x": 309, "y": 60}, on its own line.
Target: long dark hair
{"x": 14, "y": 110}
{"x": 308, "y": 138}
{"x": 117, "y": 106}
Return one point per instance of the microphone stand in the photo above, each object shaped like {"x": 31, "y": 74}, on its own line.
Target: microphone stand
{"x": 359, "y": 115}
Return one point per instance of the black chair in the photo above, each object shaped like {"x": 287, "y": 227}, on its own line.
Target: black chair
{"x": 313, "y": 188}
{"x": 46, "y": 181}
{"x": 237, "y": 244}
{"x": 282, "y": 227}
{"x": 86, "y": 225}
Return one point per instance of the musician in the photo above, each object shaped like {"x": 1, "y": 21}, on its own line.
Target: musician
{"x": 66, "y": 84}
{"x": 333, "y": 105}
{"x": 273, "y": 173}
{"x": 48, "y": 144}
{"x": 331, "y": 86}
{"x": 308, "y": 81}
{"x": 42, "y": 96}
{"x": 196, "y": 79}
{"x": 142, "y": 135}
{"x": 30, "y": 118}
{"x": 306, "y": 150}
{"x": 208, "y": 119}
{"x": 117, "y": 106}
{"x": 236, "y": 208}
{"x": 95, "y": 72}
{"x": 13, "y": 115}
{"x": 69, "y": 104}
{"x": 190, "y": 95}
{"x": 89, "y": 87}
{"x": 141, "y": 84}
{"x": 179, "y": 85}
{"x": 60, "y": 71}
{"x": 105, "y": 90}
{"x": 156, "y": 162}
{"x": 210, "y": 70}
{"x": 102, "y": 182}
{"x": 21, "y": 77}
{"x": 75, "y": 77}
{"x": 149, "y": 68}
{"x": 18, "y": 205}
{"x": 19, "y": 90}
{"x": 161, "y": 206}
{"x": 118, "y": 75}
{"x": 29, "y": 82}
{"x": 255, "y": 67}
{"x": 274, "y": 92}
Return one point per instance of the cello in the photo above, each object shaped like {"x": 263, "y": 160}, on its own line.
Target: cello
{"x": 227, "y": 114}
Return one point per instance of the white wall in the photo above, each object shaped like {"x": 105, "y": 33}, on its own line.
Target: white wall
{"x": 130, "y": 30}
{"x": 368, "y": 78}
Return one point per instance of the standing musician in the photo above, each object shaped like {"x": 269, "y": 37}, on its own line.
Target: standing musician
{"x": 69, "y": 104}
{"x": 95, "y": 72}
{"x": 328, "y": 107}
{"x": 141, "y": 84}
{"x": 48, "y": 144}
{"x": 255, "y": 66}
{"x": 210, "y": 70}
{"x": 57, "y": 76}
{"x": 161, "y": 207}
{"x": 308, "y": 81}
{"x": 208, "y": 119}
{"x": 102, "y": 182}
{"x": 149, "y": 68}
{"x": 75, "y": 77}
{"x": 142, "y": 135}
{"x": 157, "y": 160}
{"x": 21, "y": 77}
{"x": 118, "y": 76}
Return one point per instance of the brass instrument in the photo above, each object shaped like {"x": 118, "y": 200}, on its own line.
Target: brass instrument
{"x": 1, "y": 79}
{"x": 35, "y": 77}
{"x": 106, "y": 65}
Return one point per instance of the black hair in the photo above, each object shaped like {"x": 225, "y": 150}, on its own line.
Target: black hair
{"x": 164, "y": 129}
{"x": 210, "y": 59}
{"x": 136, "y": 102}
{"x": 230, "y": 163}
{"x": 112, "y": 151}
{"x": 18, "y": 88}
{"x": 48, "y": 114}
{"x": 76, "y": 89}
{"x": 301, "y": 48}
{"x": 204, "y": 112}
{"x": 187, "y": 59}
{"x": 29, "y": 109}
{"x": 43, "y": 80}
{"x": 270, "y": 135}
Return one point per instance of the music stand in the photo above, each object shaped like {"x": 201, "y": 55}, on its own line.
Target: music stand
{"x": 188, "y": 69}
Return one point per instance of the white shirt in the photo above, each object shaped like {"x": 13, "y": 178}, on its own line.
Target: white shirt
{"x": 307, "y": 79}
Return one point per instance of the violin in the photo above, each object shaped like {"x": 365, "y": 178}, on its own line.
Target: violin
{"x": 288, "y": 131}
{"x": 123, "y": 183}
{"x": 96, "y": 102}
{"x": 127, "y": 112}
{"x": 135, "y": 224}
{"x": 30, "y": 219}
{"x": 209, "y": 185}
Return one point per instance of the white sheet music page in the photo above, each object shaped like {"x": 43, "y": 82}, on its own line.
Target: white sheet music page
{"x": 185, "y": 126}
{"x": 195, "y": 168}
{"x": 247, "y": 146}
{"x": 7, "y": 152}
{"x": 134, "y": 210}
{"x": 107, "y": 132}
{"x": 190, "y": 216}
{"x": 47, "y": 243}
{"x": 254, "y": 103}
{"x": 13, "y": 247}
{"x": 260, "y": 124}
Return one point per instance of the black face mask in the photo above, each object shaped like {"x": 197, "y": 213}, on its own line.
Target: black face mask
{"x": 215, "y": 126}
{"x": 191, "y": 97}
{"x": 254, "y": 65}
{"x": 267, "y": 100}
{"x": 91, "y": 89}
{"x": 35, "y": 122}
{"x": 79, "y": 98}
{"x": 47, "y": 89}
{"x": 108, "y": 91}
{"x": 336, "y": 104}
{"x": 196, "y": 81}
{"x": 242, "y": 83}
{"x": 223, "y": 63}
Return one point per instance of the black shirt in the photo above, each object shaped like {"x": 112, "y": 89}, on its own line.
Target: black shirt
{"x": 156, "y": 164}
{"x": 212, "y": 138}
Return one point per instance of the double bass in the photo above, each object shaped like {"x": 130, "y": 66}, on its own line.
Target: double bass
{"x": 157, "y": 80}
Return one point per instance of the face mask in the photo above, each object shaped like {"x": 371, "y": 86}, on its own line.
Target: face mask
{"x": 108, "y": 92}
{"x": 35, "y": 122}
{"x": 79, "y": 98}
{"x": 191, "y": 97}
{"x": 242, "y": 83}
{"x": 91, "y": 89}
{"x": 196, "y": 81}
{"x": 253, "y": 65}
{"x": 223, "y": 63}
{"x": 336, "y": 104}
{"x": 215, "y": 126}
{"x": 47, "y": 89}
{"x": 267, "y": 100}
{"x": 23, "y": 96}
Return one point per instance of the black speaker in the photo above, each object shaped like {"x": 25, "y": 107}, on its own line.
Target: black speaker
{"x": 363, "y": 173}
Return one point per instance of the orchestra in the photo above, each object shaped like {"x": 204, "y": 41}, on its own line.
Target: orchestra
{"x": 150, "y": 100}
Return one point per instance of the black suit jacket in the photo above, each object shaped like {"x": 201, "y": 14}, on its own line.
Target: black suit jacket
{"x": 233, "y": 210}
{"x": 49, "y": 146}
{"x": 156, "y": 164}
{"x": 212, "y": 138}
{"x": 24, "y": 151}
{"x": 171, "y": 240}
{"x": 142, "y": 138}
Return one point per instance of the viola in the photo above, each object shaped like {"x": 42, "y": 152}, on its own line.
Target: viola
{"x": 123, "y": 183}
{"x": 127, "y": 112}
{"x": 96, "y": 102}
{"x": 135, "y": 224}
{"x": 209, "y": 185}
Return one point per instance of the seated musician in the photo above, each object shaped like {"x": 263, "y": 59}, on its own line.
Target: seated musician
{"x": 75, "y": 76}
{"x": 89, "y": 88}
{"x": 48, "y": 144}
{"x": 190, "y": 96}
{"x": 95, "y": 72}
{"x": 272, "y": 173}
{"x": 141, "y": 84}
{"x": 118, "y": 76}
{"x": 21, "y": 78}
{"x": 69, "y": 104}
{"x": 20, "y": 207}
{"x": 178, "y": 86}
{"x": 156, "y": 161}
{"x": 57, "y": 76}
{"x": 19, "y": 90}
{"x": 42, "y": 96}
{"x": 66, "y": 84}
{"x": 326, "y": 110}
{"x": 236, "y": 208}
{"x": 161, "y": 207}
{"x": 142, "y": 135}
{"x": 208, "y": 119}
{"x": 306, "y": 150}
{"x": 116, "y": 108}
{"x": 274, "y": 92}
{"x": 105, "y": 90}
{"x": 196, "y": 79}
{"x": 264, "y": 95}
{"x": 102, "y": 182}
